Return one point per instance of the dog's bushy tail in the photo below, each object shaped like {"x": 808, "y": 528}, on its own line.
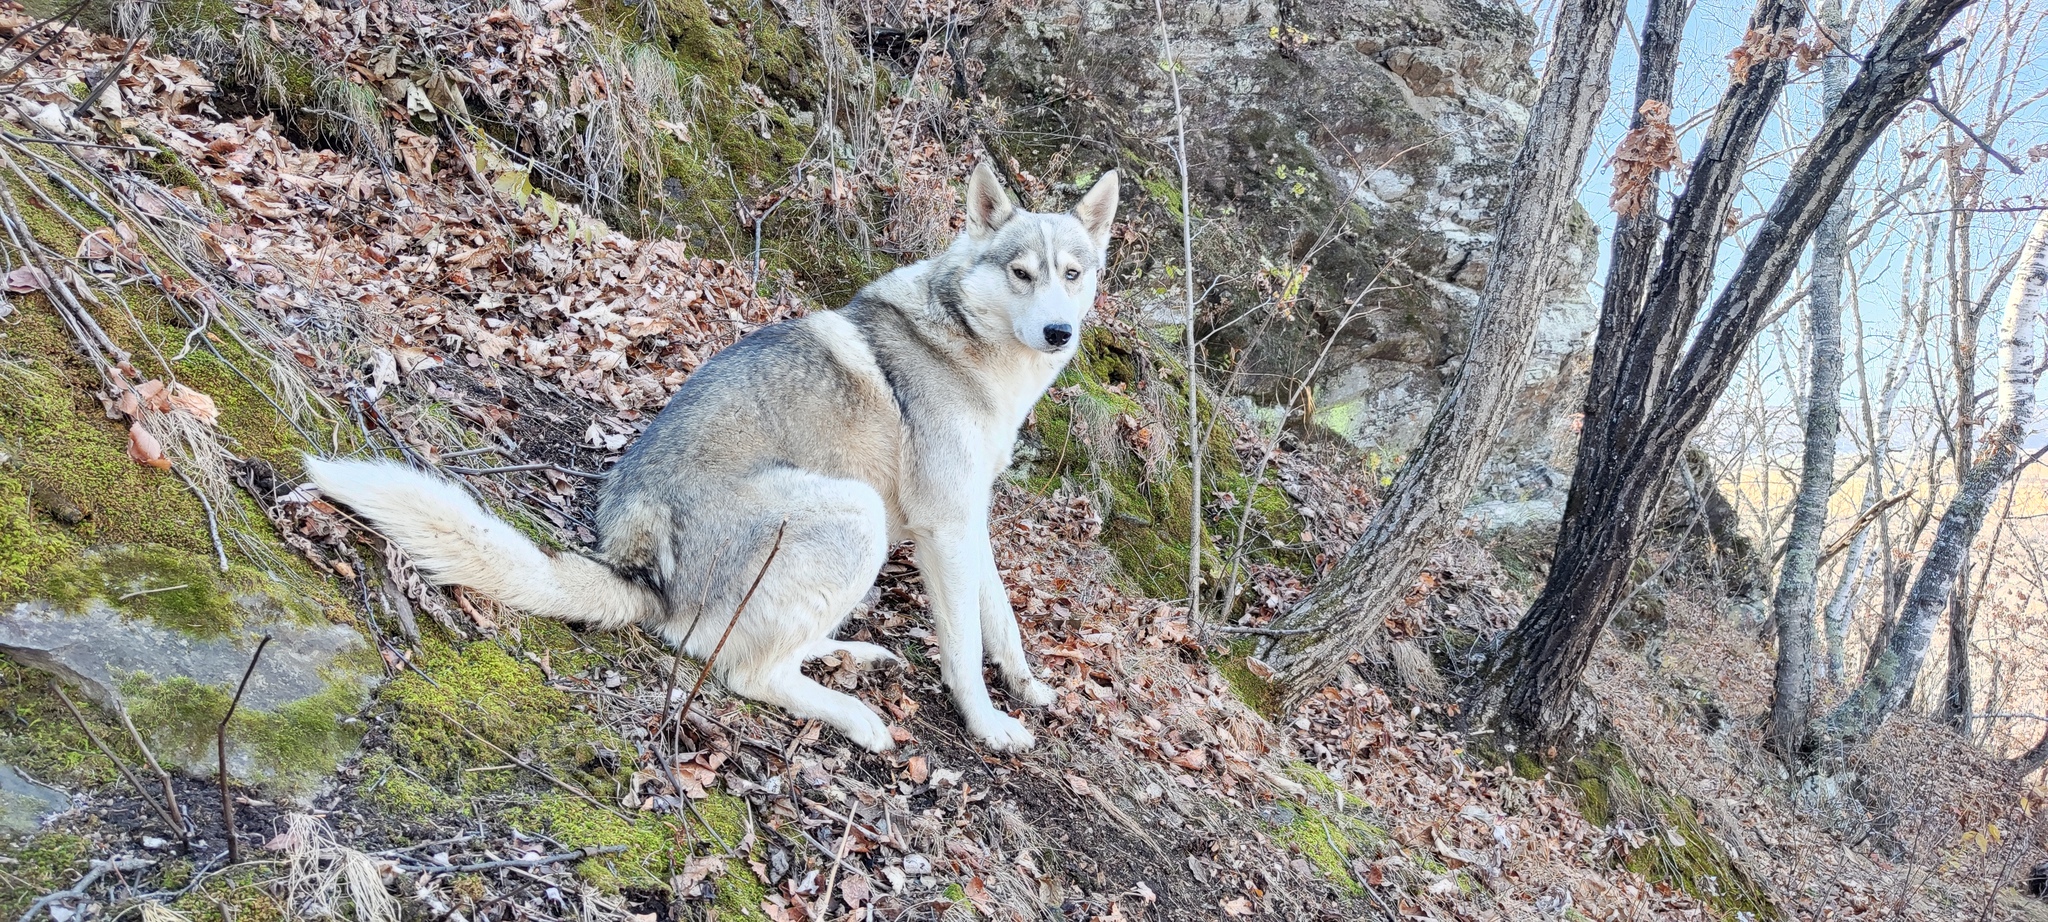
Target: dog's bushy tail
{"x": 453, "y": 540}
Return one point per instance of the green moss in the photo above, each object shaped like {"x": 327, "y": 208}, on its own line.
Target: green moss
{"x": 402, "y": 792}
{"x": 59, "y": 439}
{"x": 1328, "y": 830}
{"x": 44, "y": 740}
{"x": 290, "y": 749}
{"x": 738, "y": 893}
{"x": 250, "y": 893}
{"x": 41, "y": 864}
{"x": 1147, "y": 493}
{"x": 173, "y": 588}
{"x": 1680, "y": 851}
{"x": 169, "y": 169}
{"x": 1256, "y": 693}
{"x": 483, "y": 688}
{"x": 652, "y": 842}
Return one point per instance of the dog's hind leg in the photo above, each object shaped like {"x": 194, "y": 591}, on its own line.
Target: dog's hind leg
{"x": 785, "y": 686}
{"x": 833, "y": 542}
{"x": 864, "y": 654}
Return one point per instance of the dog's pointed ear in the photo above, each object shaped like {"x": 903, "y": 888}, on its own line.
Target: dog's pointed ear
{"x": 1097, "y": 210}
{"x": 988, "y": 206}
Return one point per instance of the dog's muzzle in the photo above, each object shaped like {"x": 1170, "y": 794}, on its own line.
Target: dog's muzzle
{"x": 1057, "y": 334}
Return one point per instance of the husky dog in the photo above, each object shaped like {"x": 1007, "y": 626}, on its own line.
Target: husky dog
{"x": 847, "y": 430}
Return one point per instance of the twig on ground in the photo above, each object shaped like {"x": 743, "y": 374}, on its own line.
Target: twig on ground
{"x": 212, "y": 523}
{"x": 774, "y": 549}
{"x": 516, "y": 468}
{"x": 108, "y": 751}
{"x": 395, "y": 852}
{"x": 542, "y": 861}
{"x": 163, "y": 779}
{"x": 838, "y": 859}
{"x": 107, "y": 79}
{"x": 99, "y": 869}
{"x": 220, "y": 748}
{"x": 67, "y": 142}
{"x": 143, "y": 592}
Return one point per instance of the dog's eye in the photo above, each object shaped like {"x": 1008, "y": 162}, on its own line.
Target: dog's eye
{"x": 1073, "y": 275}
{"x": 1021, "y": 275}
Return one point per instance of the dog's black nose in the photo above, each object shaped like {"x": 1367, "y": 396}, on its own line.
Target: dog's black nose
{"x": 1057, "y": 334}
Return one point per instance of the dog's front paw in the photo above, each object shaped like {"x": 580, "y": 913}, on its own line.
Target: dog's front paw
{"x": 1002, "y": 732}
{"x": 1032, "y": 692}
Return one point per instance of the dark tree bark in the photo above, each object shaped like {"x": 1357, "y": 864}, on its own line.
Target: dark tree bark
{"x": 1343, "y": 614}
{"x": 1792, "y": 606}
{"x": 1636, "y": 426}
{"x": 1958, "y": 700}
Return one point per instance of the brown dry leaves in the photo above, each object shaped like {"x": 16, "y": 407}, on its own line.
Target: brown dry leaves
{"x": 1648, "y": 149}
{"x": 1806, "y": 48}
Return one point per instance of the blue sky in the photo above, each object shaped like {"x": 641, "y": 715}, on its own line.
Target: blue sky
{"x": 1717, "y": 26}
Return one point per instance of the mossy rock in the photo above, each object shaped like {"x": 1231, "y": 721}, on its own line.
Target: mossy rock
{"x": 1115, "y": 427}
{"x": 1680, "y": 851}
{"x": 1328, "y": 828}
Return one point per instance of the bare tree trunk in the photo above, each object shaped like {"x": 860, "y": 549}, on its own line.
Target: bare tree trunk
{"x": 1430, "y": 493}
{"x": 1890, "y": 679}
{"x": 1792, "y": 606}
{"x": 1957, "y": 697}
{"x": 1965, "y": 321}
{"x": 1636, "y": 426}
{"x": 1878, "y": 433}
{"x": 2031, "y": 761}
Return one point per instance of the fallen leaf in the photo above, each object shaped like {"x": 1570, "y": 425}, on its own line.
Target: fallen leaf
{"x": 145, "y": 449}
{"x": 26, "y": 279}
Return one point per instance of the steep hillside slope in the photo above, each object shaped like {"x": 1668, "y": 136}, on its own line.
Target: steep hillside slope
{"x": 210, "y": 271}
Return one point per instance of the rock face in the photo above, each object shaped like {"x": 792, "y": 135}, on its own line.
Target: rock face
{"x": 175, "y": 677}
{"x": 1366, "y": 139}
{"x": 25, "y": 802}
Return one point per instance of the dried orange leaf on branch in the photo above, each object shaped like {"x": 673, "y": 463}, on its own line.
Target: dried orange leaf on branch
{"x": 145, "y": 449}
{"x": 1758, "y": 46}
{"x": 1647, "y": 149}
{"x": 1809, "y": 54}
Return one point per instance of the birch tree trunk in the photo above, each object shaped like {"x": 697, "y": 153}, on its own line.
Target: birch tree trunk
{"x": 1793, "y": 604}
{"x": 1889, "y": 680}
{"x": 1428, "y": 496}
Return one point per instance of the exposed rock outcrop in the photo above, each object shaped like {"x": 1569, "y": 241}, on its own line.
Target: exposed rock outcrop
{"x": 1368, "y": 140}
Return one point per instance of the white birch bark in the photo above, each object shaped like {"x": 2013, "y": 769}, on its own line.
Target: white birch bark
{"x": 1889, "y": 680}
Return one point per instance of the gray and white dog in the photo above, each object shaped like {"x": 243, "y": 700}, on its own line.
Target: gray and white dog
{"x": 849, "y": 430}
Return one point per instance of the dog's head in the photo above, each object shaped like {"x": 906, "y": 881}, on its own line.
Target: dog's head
{"x": 1037, "y": 271}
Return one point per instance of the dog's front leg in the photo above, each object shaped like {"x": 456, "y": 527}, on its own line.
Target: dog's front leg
{"x": 951, "y": 559}
{"x": 1000, "y": 633}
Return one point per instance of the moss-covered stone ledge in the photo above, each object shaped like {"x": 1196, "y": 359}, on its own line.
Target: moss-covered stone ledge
{"x": 162, "y": 635}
